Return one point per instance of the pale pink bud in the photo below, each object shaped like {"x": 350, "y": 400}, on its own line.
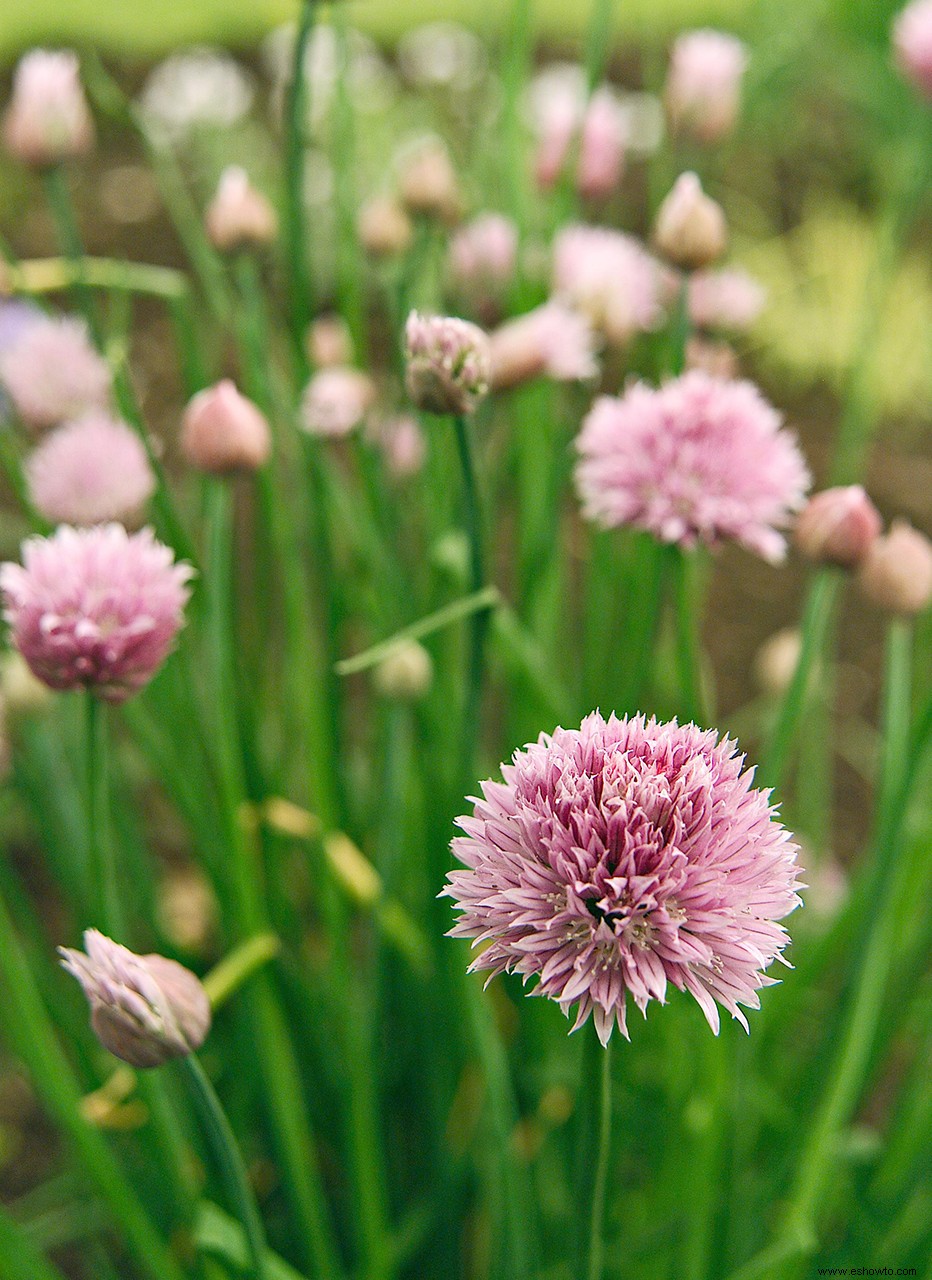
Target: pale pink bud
{"x": 90, "y": 471}
{"x": 48, "y": 119}
{"x": 483, "y": 254}
{"x": 449, "y": 363}
{"x": 838, "y": 526}
{"x": 52, "y": 373}
{"x": 223, "y": 432}
{"x": 329, "y": 342}
{"x": 428, "y": 183}
{"x": 690, "y": 230}
{"x": 336, "y": 401}
{"x": 912, "y": 44}
{"x": 551, "y": 341}
{"x": 896, "y": 573}
{"x": 145, "y": 1009}
{"x": 601, "y": 146}
{"x": 405, "y": 674}
{"x": 403, "y": 446}
{"x": 384, "y": 228}
{"x": 776, "y": 661}
{"x": 716, "y": 358}
{"x": 239, "y": 216}
{"x": 703, "y": 86}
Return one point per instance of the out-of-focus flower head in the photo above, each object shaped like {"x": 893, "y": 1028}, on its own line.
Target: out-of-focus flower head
{"x": 703, "y": 89}
{"x": 442, "y": 55}
{"x": 623, "y": 857}
{"x": 47, "y": 120}
{"x": 729, "y": 299}
{"x": 52, "y": 372}
{"x": 405, "y": 674}
{"x": 336, "y": 401}
{"x": 776, "y": 661}
{"x": 698, "y": 460}
{"x": 482, "y": 255}
{"x": 197, "y": 88}
{"x": 89, "y": 471}
{"x": 896, "y": 572}
{"x": 838, "y": 526}
{"x": 690, "y": 230}
{"x": 448, "y": 363}
{"x": 553, "y": 341}
{"x": 239, "y": 216}
{"x": 611, "y": 278}
{"x": 95, "y": 608}
{"x": 602, "y": 144}
{"x": 145, "y": 1009}
{"x": 912, "y": 44}
{"x": 427, "y": 181}
{"x": 223, "y": 432}
{"x": 329, "y": 342}
{"x": 403, "y": 445}
{"x": 372, "y": 84}
{"x": 15, "y": 317}
{"x": 561, "y": 114}
{"x": 384, "y": 228}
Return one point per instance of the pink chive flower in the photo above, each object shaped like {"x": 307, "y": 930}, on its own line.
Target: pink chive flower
{"x": 448, "y": 363}
{"x": 557, "y": 102}
{"x": 611, "y": 278}
{"x": 729, "y": 299}
{"x": 95, "y": 608}
{"x": 622, "y": 857}
{"x": 703, "y": 86}
{"x": 483, "y": 254}
{"x": 145, "y": 1009}
{"x": 697, "y": 460}
{"x": 52, "y": 372}
{"x": 90, "y": 471}
{"x": 403, "y": 445}
{"x": 552, "y": 341}
{"x": 48, "y": 119}
{"x": 336, "y": 401}
{"x": 912, "y": 44}
{"x": 602, "y": 145}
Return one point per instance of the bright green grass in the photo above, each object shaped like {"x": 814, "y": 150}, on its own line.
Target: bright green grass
{"x": 153, "y": 26}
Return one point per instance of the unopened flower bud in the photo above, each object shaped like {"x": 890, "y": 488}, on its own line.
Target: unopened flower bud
{"x": 601, "y": 146}
{"x": 776, "y": 661}
{"x": 145, "y": 1009}
{"x": 336, "y": 402}
{"x": 329, "y": 342}
{"x": 223, "y": 432}
{"x": 703, "y": 88}
{"x": 405, "y": 674}
{"x": 912, "y": 44}
{"x": 838, "y": 526}
{"x": 896, "y": 573}
{"x": 690, "y": 230}
{"x": 239, "y": 216}
{"x": 48, "y": 119}
{"x": 428, "y": 183}
{"x": 449, "y": 363}
{"x": 384, "y": 229}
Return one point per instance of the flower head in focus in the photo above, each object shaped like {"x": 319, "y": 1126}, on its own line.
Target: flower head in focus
{"x": 622, "y": 857}
{"x": 912, "y": 44}
{"x": 48, "y": 119}
{"x": 448, "y": 363}
{"x": 611, "y": 278}
{"x": 95, "y": 608}
{"x": 703, "y": 88}
{"x": 699, "y": 459}
{"x": 89, "y": 471}
{"x": 145, "y": 1009}
{"x": 52, "y": 372}
{"x": 336, "y": 401}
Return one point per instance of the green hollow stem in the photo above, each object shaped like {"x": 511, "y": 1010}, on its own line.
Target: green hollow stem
{"x": 847, "y": 1076}
{"x": 688, "y": 652}
{"x": 515, "y": 75}
{"x": 472, "y": 703}
{"x": 595, "y": 1267}
{"x": 296, "y": 110}
{"x": 69, "y": 238}
{"x": 816, "y": 628}
{"x": 102, "y": 860}
{"x": 30, "y": 1033}
{"x": 598, "y": 41}
{"x": 230, "y": 1163}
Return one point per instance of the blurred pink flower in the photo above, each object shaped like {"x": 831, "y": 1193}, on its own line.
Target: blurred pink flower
{"x": 609, "y": 276}
{"x": 698, "y": 460}
{"x": 621, "y": 857}
{"x": 557, "y": 100}
{"x": 912, "y": 44}
{"x": 403, "y": 445}
{"x": 239, "y": 215}
{"x": 602, "y": 146}
{"x": 551, "y": 341}
{"x": 89, "y": 471}
{"x": 95, "y": 608}
{"x": 336, "y": 401}
{"x": 896, "y": 572}
{"x": 448, "y": 363}
{"x": 222, "y": 432}
{"x": 145, "y": 1009}
{"x": 53, "y": 373}
{"x": 703, "y": 86}
{"x": 729, "y": 299}
{"x": 47, "y": 120}
{"x": 838, "y": 526}
{"x": 483, "y": 254}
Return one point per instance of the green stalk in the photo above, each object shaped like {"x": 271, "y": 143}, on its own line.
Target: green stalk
{"x": 688, "y": 653}
{"x": 472, "y": 703}
{"x": 69, "y": 238}
{"x": 515, "y": 75}
{"x": 296, "y": 107}
{"x": 30, "y": 1034}
{"x": 350, "y": 266}
{"x": 230, "y": 1162}
{"x": 596, "y": 1265}
{"x": 816, "y": 627}
{"x": 104, "y": 870}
